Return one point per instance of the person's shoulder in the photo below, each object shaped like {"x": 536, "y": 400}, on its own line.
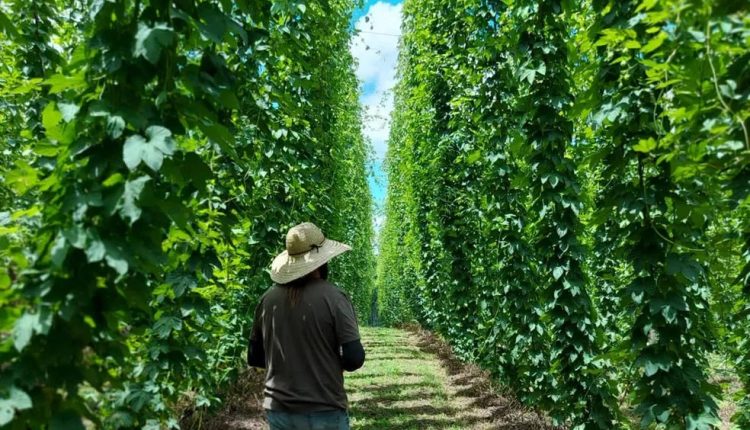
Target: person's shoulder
{"x": 273, "y": 289}
{"x": 332, "y": 289}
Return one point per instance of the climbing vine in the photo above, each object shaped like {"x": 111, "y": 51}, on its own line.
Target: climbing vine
{"x": 568, "y": 200}
{"x": 567, "y": 192}
{"x": 172, "y": 146}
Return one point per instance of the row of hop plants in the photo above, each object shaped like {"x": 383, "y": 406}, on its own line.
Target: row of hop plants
{"x": 154, "y": 154}
{"x": 568, "y": 201}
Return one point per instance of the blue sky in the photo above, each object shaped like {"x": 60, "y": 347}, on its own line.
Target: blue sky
{"x": 375, "y": 47}
{"x": 378, "y": 182}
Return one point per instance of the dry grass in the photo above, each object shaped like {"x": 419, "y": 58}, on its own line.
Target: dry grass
{"x": 724, "y": 374}
{"x": 242, "y": 409}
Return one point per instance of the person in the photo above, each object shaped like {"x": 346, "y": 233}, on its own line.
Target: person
{"x": 305, "y": 335}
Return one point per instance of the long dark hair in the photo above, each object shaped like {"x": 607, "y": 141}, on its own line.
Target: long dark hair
{"x": 294, "y": 288}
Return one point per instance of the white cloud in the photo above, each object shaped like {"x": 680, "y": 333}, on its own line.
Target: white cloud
{"x": 376, "y": 49}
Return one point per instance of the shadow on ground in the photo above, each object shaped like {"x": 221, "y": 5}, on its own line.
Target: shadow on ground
{"x": 410, "y": 381}
{"x": 414, "y": 381}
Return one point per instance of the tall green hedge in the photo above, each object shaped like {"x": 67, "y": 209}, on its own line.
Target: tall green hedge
{"x": 568, "y": 200}
{"x": 158, "y": 153}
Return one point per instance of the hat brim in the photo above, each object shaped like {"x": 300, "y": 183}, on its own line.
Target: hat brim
{"x": 286, "y": 268}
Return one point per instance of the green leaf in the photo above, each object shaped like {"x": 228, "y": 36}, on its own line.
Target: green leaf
{"x": 132, "y": 151}
{"x": 196, "y": 169}
{"x": 128, "y": 205}
{"x": 95, "y": 249}
{"x": 23, "y": 329}
{"x": 66, "y": 420}
{"x": 19, "y": 399}
{"x": 51, "y": 117}
{"x": 562, "y": 230}
{"x": 152, "y": 157}
{"x": 213, "y": 23}
{"x": 44, "y": 317}
{"x": 151, "y": 425}
{"x": 645, "y": 145}
{"x": 161, "y": 138}
{"x": 6, "y": 413}
{"x": 115, "y": 258}
{"x": 60, "y": 83}
{"x": 68, "y": 111}
{"x": 229, "y": 100}
{"x": 59, "y": 250}
{"x": 173, "y": 207}
{"x": 166, "y": 324}
{"x": 150, "y": 41}
{"x": 22, "y": 179}
{"x": 113, "y": 180}
{"x": 557, "y": 272}
{"x": 151, "y": 151}
{"x": 703, "y": 421}
{"x": 120, "y": 419}
{"x": 55, "y": 128}
{"x": 181, "y": 282}
{"x": 653, "y": 363}
{"x": 699, "y": 36}
{"x": 474, "y": 157}
{"x": 16, "y": 400}
{"x": 646, "y": 5}
{"x": 95, "y": 7}
{"x": 115, "y": 126}
{"x": 6, "y": 26}
{"x": 46, "y": 149}
{"x": 219, "y": 134}
{"x": 650, "y": 368}
{"x": 76, "y": 235}
{"x": 654, "y": 43}
{"x": 662, "y": 415}
{"x": 632, "y": 44}
{"x": 683, "y": 265}
{"x": 669, "y": 314}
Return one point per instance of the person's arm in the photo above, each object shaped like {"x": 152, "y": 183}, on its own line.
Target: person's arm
{"x": 352, "y": 355}
{"x": 256, "y": 354}
{"x": 347, "y": 332}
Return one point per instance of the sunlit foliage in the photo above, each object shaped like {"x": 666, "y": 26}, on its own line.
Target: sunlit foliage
{"x": 568, "y": 200}
{"x": 153, "y": 156}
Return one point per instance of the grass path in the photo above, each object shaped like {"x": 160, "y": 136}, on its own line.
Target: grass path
{"x": 399, "y": 387}
{"x": 410, "y": 381}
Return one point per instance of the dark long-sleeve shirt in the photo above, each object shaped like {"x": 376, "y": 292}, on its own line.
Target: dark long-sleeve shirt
{"x": 305, "y": 347}
{"x": 352, "y": 355}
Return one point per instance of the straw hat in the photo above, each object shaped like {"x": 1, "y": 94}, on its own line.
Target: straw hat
{"x": 306, "y": 250}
